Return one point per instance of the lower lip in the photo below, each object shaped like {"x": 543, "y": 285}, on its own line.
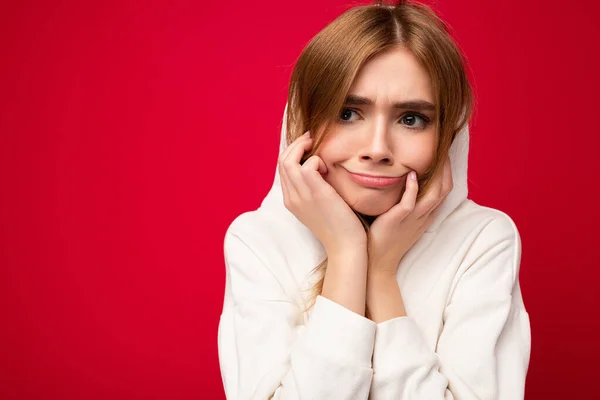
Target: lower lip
{"x": 373, "y": 182}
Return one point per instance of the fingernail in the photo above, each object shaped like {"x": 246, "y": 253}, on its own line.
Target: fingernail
{"x": 413, "y": 175}
{"x": 306, "y": 133}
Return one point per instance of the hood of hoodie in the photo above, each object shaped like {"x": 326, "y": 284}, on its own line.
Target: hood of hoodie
{"x": 459, "y": 153}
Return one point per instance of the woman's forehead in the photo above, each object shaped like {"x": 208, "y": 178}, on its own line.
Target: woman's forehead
{"x": 392, "y": 77}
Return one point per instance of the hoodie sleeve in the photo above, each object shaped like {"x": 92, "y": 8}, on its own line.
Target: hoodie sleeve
{"x": 265, "y": 352}
{"x": 484, "y": 346}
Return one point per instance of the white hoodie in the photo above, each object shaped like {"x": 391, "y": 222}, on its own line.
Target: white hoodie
{"x": 466, "y": 334}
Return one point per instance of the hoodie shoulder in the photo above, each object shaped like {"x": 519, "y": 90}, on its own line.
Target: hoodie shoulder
{"x": 254, "y": 228}
{"x": 490, "y": 229}
{"x": 274, "y": 236}
{"x": 270, "y": 246}
{"x": 475, "y": 217}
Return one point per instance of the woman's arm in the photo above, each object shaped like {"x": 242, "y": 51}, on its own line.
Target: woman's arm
{"x": 346, "y": 278}
{"x": 483, "y": 349}
{"x": 265, "y": 351}
{"x": 384, "y": 300}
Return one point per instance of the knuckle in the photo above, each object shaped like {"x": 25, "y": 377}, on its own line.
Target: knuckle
{"x": 406, "y": 208}
{"x": 294, "y": 174}
{"x": 288, "y": 165}
{"x": 305, "y": 170}
{"x": 283, "y": 162}
{"x": 428, "y": 203}
{"x": 310, "y": 161}
{"x": 292, "y": 203}
{"x": 307, "y": 174}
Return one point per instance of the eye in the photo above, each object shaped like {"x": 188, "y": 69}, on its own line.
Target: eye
{"x": 346, "y": 114}
{"x": 415, "y": 121}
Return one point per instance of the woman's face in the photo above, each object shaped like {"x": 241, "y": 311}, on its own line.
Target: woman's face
{"x": 385, "y": 129}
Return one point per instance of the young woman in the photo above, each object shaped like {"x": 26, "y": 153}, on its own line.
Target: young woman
{"x": 367, "y": 272}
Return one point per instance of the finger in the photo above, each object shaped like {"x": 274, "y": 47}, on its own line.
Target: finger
{"x": 289, "y": 191}
{"x": 298, "y": 148}
{"x": 292, "y": 167}
{"x": 313, "y": 170}
{"x": 445, "y": 182}
{"x": 448, "y": 180}
{"x": 315, "y": 163}
{"x": 292, "y": 145}
{"x": 434, "y": 195}
{"x": 428, "y": 220}
{"x": 408, "y": 201}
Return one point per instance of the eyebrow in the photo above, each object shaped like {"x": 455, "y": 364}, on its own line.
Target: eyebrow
{"x": 420, "y": 105}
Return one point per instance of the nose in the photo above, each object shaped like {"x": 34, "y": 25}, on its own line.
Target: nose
{"x": 377, "y": 148}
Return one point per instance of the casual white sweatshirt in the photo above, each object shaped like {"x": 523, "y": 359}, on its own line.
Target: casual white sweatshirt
{"x": 466, "y": 334}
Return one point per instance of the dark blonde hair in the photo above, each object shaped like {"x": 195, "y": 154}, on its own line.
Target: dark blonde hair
{"x": 327, "y": 67}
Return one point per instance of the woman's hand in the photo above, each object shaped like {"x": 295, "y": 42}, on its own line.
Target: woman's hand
{"x": 394, "y": 232}
{"x": 316, "y": 203}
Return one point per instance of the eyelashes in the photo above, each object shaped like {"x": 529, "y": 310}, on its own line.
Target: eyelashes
{"x": 425, "y": 122}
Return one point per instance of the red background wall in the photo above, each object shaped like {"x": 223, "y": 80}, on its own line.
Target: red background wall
{"x": 133, "y": 132}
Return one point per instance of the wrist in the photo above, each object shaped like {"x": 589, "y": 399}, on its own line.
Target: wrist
{"x": 383, "y": 298}
{"x": 380, "y": 280}
{"x": 382, "y": 271}
{"x": 345, "y": 279}
{"x": 348, "y": 252}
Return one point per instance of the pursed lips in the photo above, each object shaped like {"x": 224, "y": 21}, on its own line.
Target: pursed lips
{"x": 370, "y": 180}
{"x": 377, "y": 176}
{"x": 374, "y": 175}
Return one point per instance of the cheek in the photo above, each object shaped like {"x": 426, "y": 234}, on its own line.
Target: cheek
{"x": 420, "y": 153}
{"x": 331, "y": 157}
{"x": 332, "y": 151}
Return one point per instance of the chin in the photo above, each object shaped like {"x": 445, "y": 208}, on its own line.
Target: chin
{"x": 366, "y": 201}
{"x": 372, "y": 208}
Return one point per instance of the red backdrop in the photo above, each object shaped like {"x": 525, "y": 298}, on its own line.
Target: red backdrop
{"x": 133, "y": 132}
